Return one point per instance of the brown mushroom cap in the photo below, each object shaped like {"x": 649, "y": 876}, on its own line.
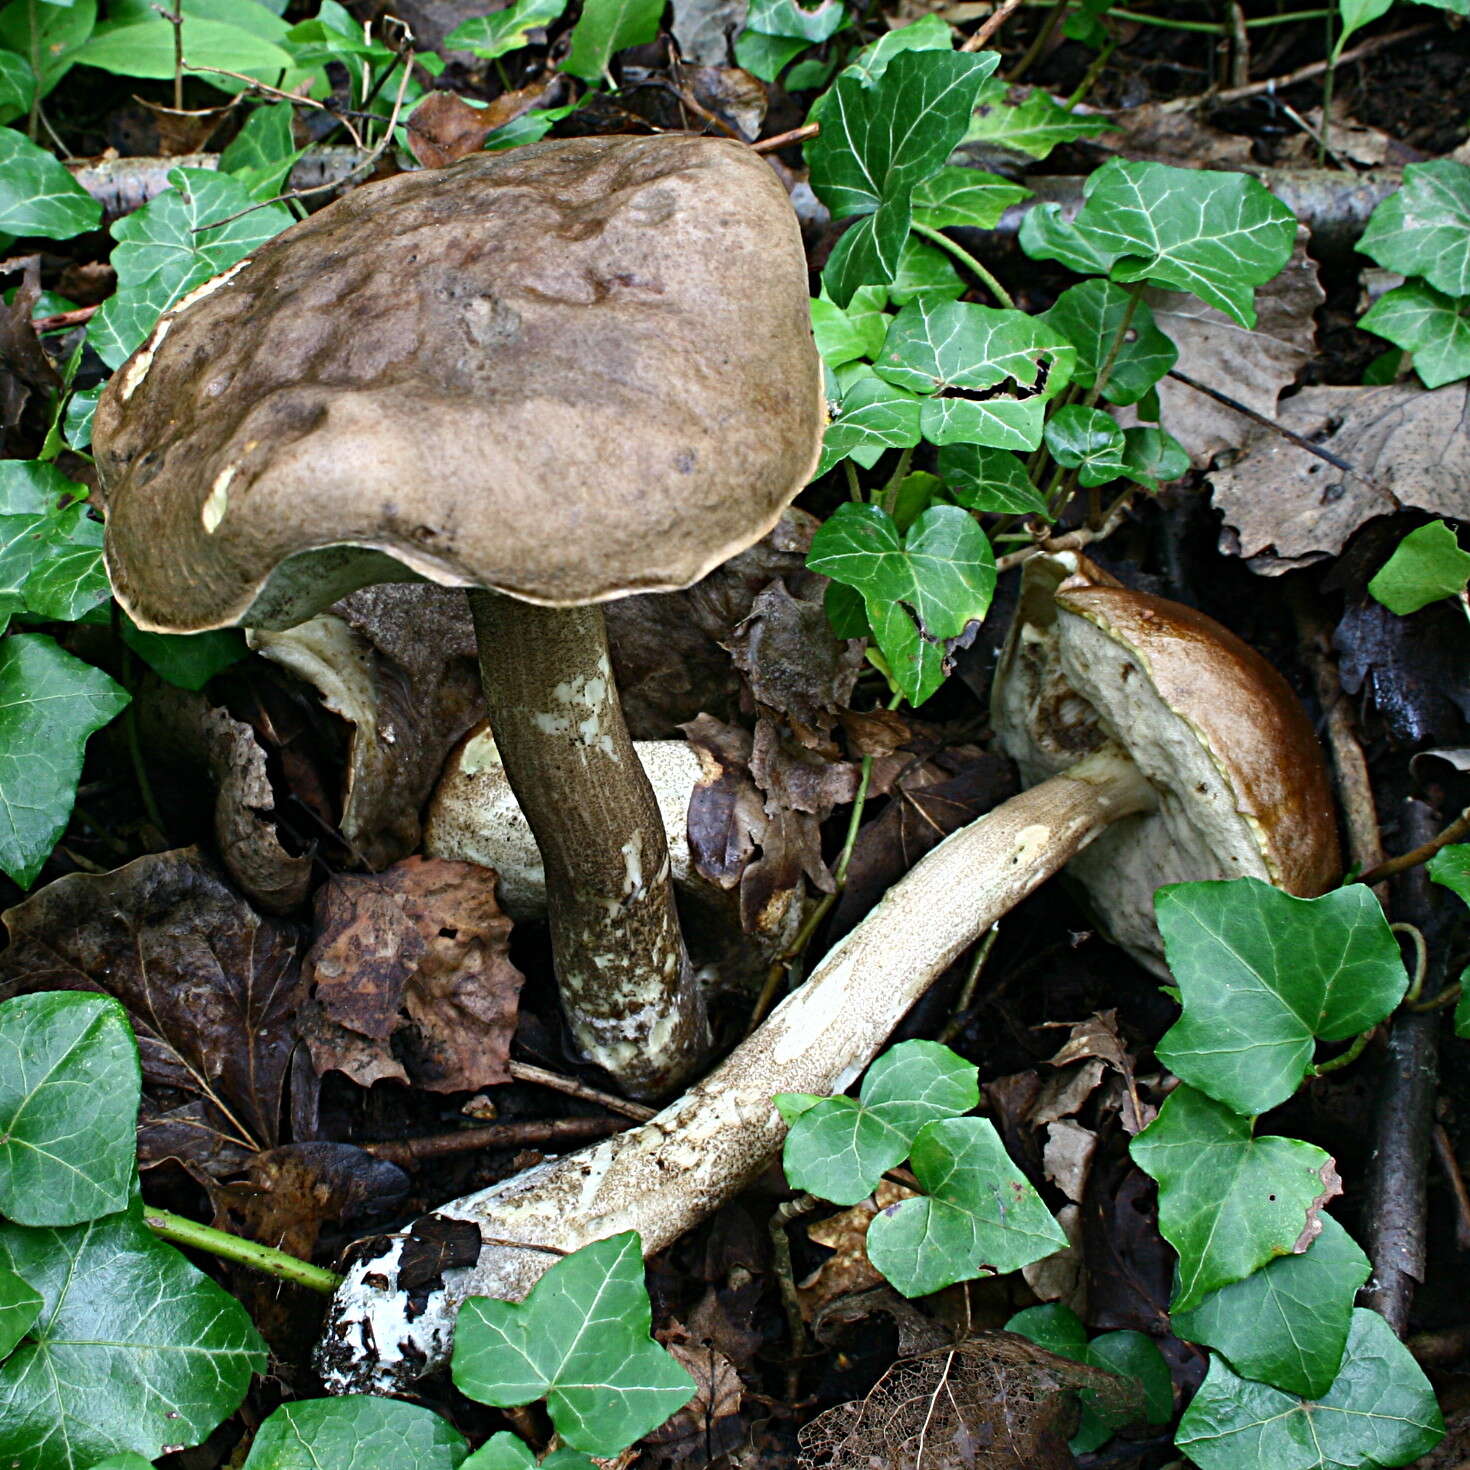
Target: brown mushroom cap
{"x": 567, "y": 372}
{"x": 1217, "y": 731}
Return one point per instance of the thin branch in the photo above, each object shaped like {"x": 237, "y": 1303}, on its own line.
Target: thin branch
{"x": 782, "y": 140}
{"x": 997, "y": 19}
{"x": 525, "y": 1072}
{"x": 1457, "y": 829}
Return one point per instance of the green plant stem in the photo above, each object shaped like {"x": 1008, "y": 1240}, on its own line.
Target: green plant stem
{"x": 1135, "y": 295}
{"x": 968, "y": 261}
{"x": 1042, "y": 41}
{"x": 181, "y": 1231}
{"x": 1090, "y": 76}
{"x": 1345, "y": 1058}
{"x": 854, "y": 485}
{"x": 33, "y": 123}
{"x": 889, "y": 493}
{"x": 961, "y": 1013}
{"x": 1421, "y": 959}
{"x": 1215, "y": 28}
{"x": 1436, "y": 1002}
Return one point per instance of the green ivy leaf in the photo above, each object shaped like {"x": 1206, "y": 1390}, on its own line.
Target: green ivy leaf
{"x": 50, "y": 703}
{"x": 1153, "y": 456}
{"x": 1091, "y": 316}
{"x": 943, "y": 571}
{"x": 1035, "y": 125}
{"x": 504, "y": 1451}
{"x": 262, "y": 153}
{"x": 145, "y": 48}
{"x": 873, "y": 416}
{"x": 840, "y": 1147}
{"x": 46, "y": 37}
{"x": 925, "y": 274}
{"x": 69, "y": 1089}
{"x": 605, "y": 28}
{"x": 1425, "y": 566}
{"x": 1355, "y": 15}
{"x": 990, "y": 481}
{"x": 167, "y": 248}
{"x": 355, "y": 1432}
{"x": 1089, "y": 441}
{"x": 134, "y": 1348}
{"x": 1379, "y": 1411}
{"x": 37, "y": 195}
{"x": 581, "y": 1340}
{"x": 1450, "y": 868}
{"x": 188, "y": 660}
{"x": 1130, "y": 1355}
{"x": 50, "y": 551}
{"x": 1216, "y": 235}
{"x": 1262, "y": 975}
{"x": 846, "y": 335}
{"x": 1423, "y": 229}
{"x": 1287, "y": 1323}
{"x": 17, "y": 86}
{"x": 1432, "y": 326}
{"x": 978, "y": 1217}
{"x": 877, "y": 143}
{"x": 20, "y": 1305}
{"x": 77, "y": 424}
{"x": 490, "y": 36}
{"x": 955, "y": 197}
{"x": 1228, "y": 1202}
{"x": 125, "y": 1461}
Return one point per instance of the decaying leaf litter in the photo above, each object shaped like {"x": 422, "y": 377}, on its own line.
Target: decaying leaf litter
{"x": 306, "y": 991}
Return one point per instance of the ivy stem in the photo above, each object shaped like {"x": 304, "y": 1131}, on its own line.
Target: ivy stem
{"x": 889, "y": 493}
{"x": 854, "y": 485}
{"x": 1135, "y": 295}
{"x": 181, "y": 1231}
{"x": 1090, "y": 76}
{"x": 1457, "y": 829}
{"x": 963, "y": 1001}
{"x": 1042, "y": 41}
{"x": 1214, "y": 28}
{"x": 1345, "y": 1058}
{"x": 967, "y": 260}
{"x": 1436, "y": 1002}
{"x": 1421, "y": 959}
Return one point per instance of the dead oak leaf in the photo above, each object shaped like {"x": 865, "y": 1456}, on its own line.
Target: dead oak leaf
{"x": 411, "y": 979}
{"x": 212, "y": 987}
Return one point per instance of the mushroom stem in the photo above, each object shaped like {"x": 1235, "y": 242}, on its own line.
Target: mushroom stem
{"x": 626, "y": 985}
{"x": 666, "y": 1176}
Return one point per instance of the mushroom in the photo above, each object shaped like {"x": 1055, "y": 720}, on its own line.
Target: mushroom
{"x": 1164, "y": 721}
{"x": 552, "y": 376}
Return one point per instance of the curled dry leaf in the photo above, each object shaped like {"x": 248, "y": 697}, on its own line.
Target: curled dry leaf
{"x": 444, "y": 127}
{"x": 1098, "y": 1036}
{"x": 1252, "y": 365}
{"x": 705, "y": 29}
{"x": 177, "y": 725}
{"x": 1067, "y": 1156}
{"x": 710, "y": 1424}
{"x": 212, "y": 988}
{"x": 410, "y": 977}
{"x": 1162, "y": 133}
{"x": 1065, "y": 1092}
{"x": 847, "y": 1270}
{"x": 398, "y": 664}
{"x": 1285, "y": 508}
{"x": 992, "y": 1401}
{"x": 1062, "y": 1276}
{"x": 27, "y": 376}
{"x": 734, "y": 96}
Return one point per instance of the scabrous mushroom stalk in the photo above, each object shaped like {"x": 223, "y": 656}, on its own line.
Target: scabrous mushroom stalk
{"x": 626, "y": 985}
{"x": 663, "y": 1178}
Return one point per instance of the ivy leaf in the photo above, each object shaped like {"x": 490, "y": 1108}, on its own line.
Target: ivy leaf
{"x": 846, "y": 335}
{"x": 1450, "y": 868}
{"x": 1091, "y": 316}
{"x": 1153, "y": 456}
{"x": 877, "y": 143}
{"x": 504, "y": 1451}
{"x": 1089, "y": 441}
{"x": 1379, "y": 1411}
{"x": 17, "y": 86}
{"x": 1287, "y": 1323}
{"x": 1262, "y": 975}
{"x": 262, "y": 153}
{"x": 1130, "y": 1355}
{"x": 942, "y": 574}
{"x": 69, "y": 1089}
{"x": 167, "y": 248}
{"x": 991, "y": 481}
{"x": 872, "y": 416}
{"x": 50, "y": 703}
{"x": 355, "y": 1432}
{"x": 925, "y": 273}
{"x": 581, "y": 1340}
{"x": 605, "y": 28}
{"x": 953, "y": 352}
{"x": 45, "y": 38}
{"x": 125, "y": 1461}
{"x": 1425, "y": 566}
{"x": 954, "y": 197}
{"x": 20, "y": 1305}
{"x": 189, "y": 660}
{"x": 978, "y": 1217}
{"x": 145, "y": 48}
{"x": 840, "y": 1147}
{"x": 1228, "y": 1202}
{"x": 1035, "y": 125}
{"x": 1423, "y": 229}
{"x": 134, "y": 1348}
{"x": 777, "y": 31}
{"x": 1432, "y": 326}
{"x": 1217, "y": 235}
{"x": 37, "y": 195}
{"x": 490, "y": 36}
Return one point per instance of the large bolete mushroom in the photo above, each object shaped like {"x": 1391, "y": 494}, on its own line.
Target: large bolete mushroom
{"x": 553, "y": 376}
{"x": 1171, "y": 730}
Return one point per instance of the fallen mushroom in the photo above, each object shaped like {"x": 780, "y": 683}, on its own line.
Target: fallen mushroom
{"x": 563, "y": 373}
{"x": 1179, "y": 692}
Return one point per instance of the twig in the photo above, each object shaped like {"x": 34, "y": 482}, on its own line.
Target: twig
{"x": 785, "y": 1213}
{"x": 556, "y": 1131}
{"x": 963, "y": 1001}
{"x": 1042, "y": 41}
{"x": 1444, "y": 1153}
{"x": 996, "y": 20}
{"x": 782, "y": 140}
{"x": 526, "y": 1072}
{"x": 1389, "y": 867}
{"x": 1394, "y": 1204}
{"x": 64, "y": 319}
{"x": 1072, "y": 540}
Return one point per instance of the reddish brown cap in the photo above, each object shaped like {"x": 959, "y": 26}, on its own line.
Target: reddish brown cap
{"x": 566, "y": 372}
{"x": 1243, "y": 790}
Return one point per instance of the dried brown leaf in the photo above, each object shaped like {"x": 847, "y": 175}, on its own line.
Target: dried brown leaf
{"x": 444, "y": 128}
{"x": 411, "y": 979}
